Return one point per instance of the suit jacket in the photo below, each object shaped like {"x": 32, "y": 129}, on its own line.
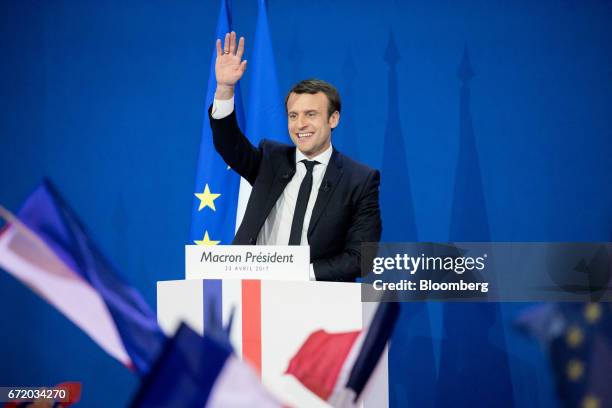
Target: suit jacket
{"x": 346, "y": 212}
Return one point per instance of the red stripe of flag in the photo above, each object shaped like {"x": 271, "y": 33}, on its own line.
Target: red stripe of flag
{"x": 251, "y": 323}
{"x": 318, "y": 363}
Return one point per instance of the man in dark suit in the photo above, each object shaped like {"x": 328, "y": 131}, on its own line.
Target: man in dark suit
{"x": 307, "y": 194}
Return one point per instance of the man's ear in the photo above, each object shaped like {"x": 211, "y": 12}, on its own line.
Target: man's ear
{"x": 334, "y": 119}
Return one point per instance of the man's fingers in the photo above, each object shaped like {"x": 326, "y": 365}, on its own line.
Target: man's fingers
{"x": 229, "y": 45}
{"x": 226, "y": 43}
{"x": 240, "y": 49}
{"x": 219, "y": 51}
{"x": 243, "y": 66}
{"x": 232, "y": 48}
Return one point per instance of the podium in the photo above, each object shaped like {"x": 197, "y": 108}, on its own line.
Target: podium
{"x": 271, "y": 320}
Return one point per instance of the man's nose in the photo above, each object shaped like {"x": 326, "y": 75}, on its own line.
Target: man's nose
{"x": 301, "y": 122}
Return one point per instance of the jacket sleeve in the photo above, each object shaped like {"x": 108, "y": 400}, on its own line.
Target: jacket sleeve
{"x": 366, "y": 226}
{"x": 234, "y": 147}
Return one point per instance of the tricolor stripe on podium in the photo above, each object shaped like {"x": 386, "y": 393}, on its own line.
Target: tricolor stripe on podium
{"x": 246, "y": 325}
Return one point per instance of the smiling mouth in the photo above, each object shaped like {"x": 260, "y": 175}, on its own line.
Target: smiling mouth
{"x": 304, "y": 135}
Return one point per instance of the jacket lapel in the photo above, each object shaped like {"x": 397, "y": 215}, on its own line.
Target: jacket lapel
{"x": 328, "y": 186}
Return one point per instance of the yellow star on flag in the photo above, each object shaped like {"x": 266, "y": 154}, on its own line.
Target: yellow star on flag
{"x": 206, "y": 241}
{"x": 207, "y": 199}
{"x": 592, "y": 312}
{"x": 574, "y": 336}
{"x": 575, "y": 369}
{"x": 590, "y": 402}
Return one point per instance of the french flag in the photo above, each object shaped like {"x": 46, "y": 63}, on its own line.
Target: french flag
{"x": 196, "y": 371}
{"x": 337, "y": 367}
{"x": 48, "y": 249}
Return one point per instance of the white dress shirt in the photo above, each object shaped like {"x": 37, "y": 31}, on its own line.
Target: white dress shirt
{"x": 277, "y": 227}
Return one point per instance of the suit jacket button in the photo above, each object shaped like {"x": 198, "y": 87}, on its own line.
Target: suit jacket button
{"x": 252, "y": 241}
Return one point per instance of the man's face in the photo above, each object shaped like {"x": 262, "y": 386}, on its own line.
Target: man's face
{"x": 309, "y": 126}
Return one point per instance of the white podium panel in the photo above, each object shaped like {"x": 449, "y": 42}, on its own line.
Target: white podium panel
{"x": 274, "y": 318}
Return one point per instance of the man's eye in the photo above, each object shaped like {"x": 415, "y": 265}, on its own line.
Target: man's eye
{"x": 312, "y": 114}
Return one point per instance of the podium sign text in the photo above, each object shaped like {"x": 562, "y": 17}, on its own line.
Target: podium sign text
{"x": 247, "y": 262}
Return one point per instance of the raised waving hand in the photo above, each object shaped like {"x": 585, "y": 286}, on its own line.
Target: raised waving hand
{"x": 229, "y": 65}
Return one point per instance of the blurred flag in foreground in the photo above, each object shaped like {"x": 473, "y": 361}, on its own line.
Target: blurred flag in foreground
{"x": 48, "y": 249}
{"x": 195, "y": 371}
{"x": 338, "y": 366}
{"x": 578, "y": 340}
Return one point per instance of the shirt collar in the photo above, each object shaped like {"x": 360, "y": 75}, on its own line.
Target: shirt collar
{"x": 322, "y": 158}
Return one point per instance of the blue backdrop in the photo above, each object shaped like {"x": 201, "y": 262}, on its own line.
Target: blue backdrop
{"x": 106, "y": 98}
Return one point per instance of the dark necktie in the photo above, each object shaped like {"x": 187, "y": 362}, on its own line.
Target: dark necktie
{"x": 302, "y": 202}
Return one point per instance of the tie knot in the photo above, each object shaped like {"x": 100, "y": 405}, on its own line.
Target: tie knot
{"x": 309, "y": 165}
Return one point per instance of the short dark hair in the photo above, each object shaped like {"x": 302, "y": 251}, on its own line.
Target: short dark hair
{"x": 313, "y": 86}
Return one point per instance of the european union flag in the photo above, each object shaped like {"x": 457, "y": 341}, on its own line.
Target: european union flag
{"x": 216, "y": 188}
{"x": 266, "y": 118}
{"x": 578, "y": 339}
{"x": 213, "y": 218}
